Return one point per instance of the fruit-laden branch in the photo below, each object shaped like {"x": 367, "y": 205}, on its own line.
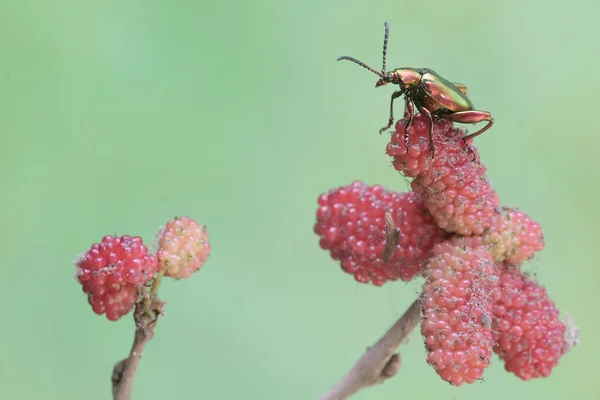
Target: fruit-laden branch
{"x": 380, "y": 361}
{"x": 119, "y": 275}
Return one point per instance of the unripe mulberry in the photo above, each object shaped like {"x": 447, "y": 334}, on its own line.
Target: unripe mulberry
{"x": 513, "y": 237}
{"x": 183, "y": 247}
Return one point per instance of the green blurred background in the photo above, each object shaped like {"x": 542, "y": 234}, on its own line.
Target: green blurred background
{"x": 116, "y": 116}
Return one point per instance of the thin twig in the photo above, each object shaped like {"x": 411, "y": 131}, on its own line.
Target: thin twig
{"x": 124, "y": 370}
{"x": 392, "y": 235}
{"x": 379, "y": 362}
{"x": 145, "y": 317}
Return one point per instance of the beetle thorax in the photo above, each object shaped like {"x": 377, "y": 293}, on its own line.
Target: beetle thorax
{"x": 407, "y": 78}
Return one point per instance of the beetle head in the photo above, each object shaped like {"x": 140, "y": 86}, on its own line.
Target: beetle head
{"x": 385, "y": 79}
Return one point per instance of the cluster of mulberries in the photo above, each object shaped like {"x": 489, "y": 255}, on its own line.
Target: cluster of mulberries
{"x": 453, "y": 232}
{"x": 116, "y": 272}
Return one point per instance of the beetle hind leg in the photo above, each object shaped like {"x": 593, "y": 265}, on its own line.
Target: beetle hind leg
{"x": 472, "y": 117}
{"x": 479, "y": 132}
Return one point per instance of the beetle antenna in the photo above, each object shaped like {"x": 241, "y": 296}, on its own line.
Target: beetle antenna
{"x": 362, "y": 64}
{"x": 385, "y": 42}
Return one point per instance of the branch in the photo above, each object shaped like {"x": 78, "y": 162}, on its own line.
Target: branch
{"x": 145, "y": 317}
{"x": 379, "y": 362}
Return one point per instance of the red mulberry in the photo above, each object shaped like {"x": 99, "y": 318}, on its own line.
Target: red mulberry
{"x": 528, "y": 333}
{"x": 111, "y": 273}
{"x": 454, "y": 187}
{"x": 351, "y": 224}
{"x": 457, "y": 310}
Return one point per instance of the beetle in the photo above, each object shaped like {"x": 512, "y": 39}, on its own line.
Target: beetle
{"x": 430, "y": 93}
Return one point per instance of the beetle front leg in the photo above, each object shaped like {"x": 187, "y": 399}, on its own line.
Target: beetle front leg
{"x": 411, "y": 111}
{"x": 395, "y": 95}
{"x": 427, "y": 113}
{"x": 472, "y": 117}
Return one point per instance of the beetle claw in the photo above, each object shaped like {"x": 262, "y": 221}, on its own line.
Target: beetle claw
{"x": 432, "y": 149}
{"x": 406, "y": 139}
{"x": 470, "y": 150}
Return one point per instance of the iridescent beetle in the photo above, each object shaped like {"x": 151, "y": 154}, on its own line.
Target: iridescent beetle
{"x": 431, "y": 94}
